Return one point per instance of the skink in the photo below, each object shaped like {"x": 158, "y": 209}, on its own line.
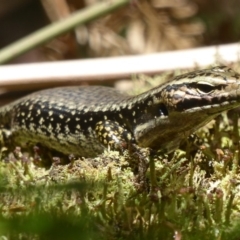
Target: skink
{"x": 85, "y": 120}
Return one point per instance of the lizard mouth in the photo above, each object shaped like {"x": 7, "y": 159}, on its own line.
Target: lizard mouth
{"x": 214, "y": 109}
{"x": 216, "y": 104}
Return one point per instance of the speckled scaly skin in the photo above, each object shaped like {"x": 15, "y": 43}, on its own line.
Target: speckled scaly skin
{"x": 84, "y": 120}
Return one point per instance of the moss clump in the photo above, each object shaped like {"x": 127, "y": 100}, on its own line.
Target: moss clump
{"x": 189, "y": 195}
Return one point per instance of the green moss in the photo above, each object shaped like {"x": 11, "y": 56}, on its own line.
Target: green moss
{"x": 189, "y": 195}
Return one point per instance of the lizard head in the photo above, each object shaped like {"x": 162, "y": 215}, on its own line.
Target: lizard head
{"x": 211, "y": 90}
{"x": 180, "y": 107}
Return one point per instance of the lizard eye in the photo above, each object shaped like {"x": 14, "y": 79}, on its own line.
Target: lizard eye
{"x": 205, "y": 87}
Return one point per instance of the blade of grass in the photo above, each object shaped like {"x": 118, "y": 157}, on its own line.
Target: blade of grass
{"x": 55, "y": 29}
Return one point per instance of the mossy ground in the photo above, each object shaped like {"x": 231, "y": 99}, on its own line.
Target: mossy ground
{"x": 189, "y": 195}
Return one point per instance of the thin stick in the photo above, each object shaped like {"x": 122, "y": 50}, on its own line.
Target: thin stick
{"x": 43, "y": 75}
